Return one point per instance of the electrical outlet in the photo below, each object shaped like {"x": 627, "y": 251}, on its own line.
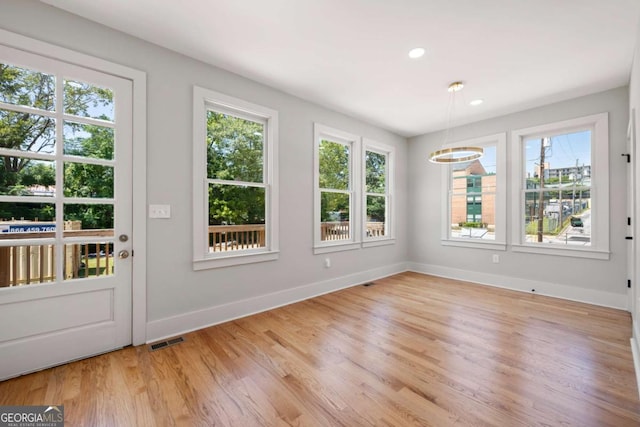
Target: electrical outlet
{"x": 496, "y": 258}
{"x": 159, "y": 211}
{"x": 327, "y": 262}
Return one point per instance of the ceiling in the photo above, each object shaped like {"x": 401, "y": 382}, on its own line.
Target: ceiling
{"x": 351, "y": 55}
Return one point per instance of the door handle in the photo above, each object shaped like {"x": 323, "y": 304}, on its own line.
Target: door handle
{"x": 123, "y": 254}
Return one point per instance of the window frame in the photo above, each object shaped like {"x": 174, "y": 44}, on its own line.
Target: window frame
{"x": 388, "y": 151}
{"x": 498, "y": 140}
{"x": 598, "y": 124}
{"x": 205, "y": 100}
{"x": 321, "y": 132}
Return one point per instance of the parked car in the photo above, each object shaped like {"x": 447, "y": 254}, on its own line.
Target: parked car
{"x": 576, "y": 222}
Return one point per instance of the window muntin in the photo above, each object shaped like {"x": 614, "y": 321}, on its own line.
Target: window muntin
{"x": 557, "y": 189}
{"x": 234, "y": 166}
{"x": 561, "y": 143}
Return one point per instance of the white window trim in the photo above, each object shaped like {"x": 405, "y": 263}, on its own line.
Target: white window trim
{"x": 500, "y": 242}
{"x": 599, "y": 249}
{"x": 204, "y": 99}
{"x": 353, "y": 141}
{"x": 389, "y": 152}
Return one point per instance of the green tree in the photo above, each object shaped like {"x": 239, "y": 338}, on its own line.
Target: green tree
{"x": 334, "y": 174}
{"x": 235, "y": 151}
{"x": 31, "y": 132}
{"x": 23, "y": 131}
{"x": 88, "y": 180}
{"x": 375, "y": 180}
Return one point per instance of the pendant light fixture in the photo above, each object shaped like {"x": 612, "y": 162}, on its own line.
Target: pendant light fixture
{"x": 454, "y": 154}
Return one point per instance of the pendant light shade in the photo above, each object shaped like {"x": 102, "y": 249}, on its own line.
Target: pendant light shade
{"x": 456, "y": 155}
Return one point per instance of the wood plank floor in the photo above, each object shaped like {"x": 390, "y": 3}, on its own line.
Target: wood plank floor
{"x": 409, "y": 350}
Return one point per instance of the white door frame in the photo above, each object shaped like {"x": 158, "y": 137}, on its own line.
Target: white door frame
{"x": 139, "y": 173}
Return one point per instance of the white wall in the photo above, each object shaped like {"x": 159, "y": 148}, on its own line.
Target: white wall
{"x": 601, "y": 282}
{"x": 179, "y": 298}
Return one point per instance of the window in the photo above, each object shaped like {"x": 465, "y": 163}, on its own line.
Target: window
{"x": 378, "y": 163}
{"x": 336, "y": 178}
{"x": 353, "y": 191}
{"x": 235, "y": 190}
{"x": 476, "y": 200}
{"x": 562, "y": 191}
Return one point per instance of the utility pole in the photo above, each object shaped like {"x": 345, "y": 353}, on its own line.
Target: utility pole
{"x": 575, "y": 176}
{"x": 541, "y": 196}
{"x": 560, "y": 201}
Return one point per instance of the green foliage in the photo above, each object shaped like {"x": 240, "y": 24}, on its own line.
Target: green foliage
{"x": 235, "y": 152}
{"x": 87, "y": 180}
{"x": 473, "y": 224}
{"x": 334, "y": 174}
{"x": 334, "y": 165}
{"x": 36, "y": 133}
{"x": 375, "y": 180}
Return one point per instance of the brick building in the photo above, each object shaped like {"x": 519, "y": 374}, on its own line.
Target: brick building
{"x": 473, "y": 198}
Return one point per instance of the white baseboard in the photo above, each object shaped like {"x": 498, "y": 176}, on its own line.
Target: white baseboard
{"x": 194, "y": 320}
{"x": 590, "y": 296}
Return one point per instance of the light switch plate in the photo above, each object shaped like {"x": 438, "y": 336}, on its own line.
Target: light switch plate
{"x": 159, "y": 211}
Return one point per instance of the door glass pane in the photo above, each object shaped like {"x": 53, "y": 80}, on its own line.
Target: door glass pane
{"x": 334, "y": 165}
{"x": 27, "y": 132}
{"x": 234, "y": 148}
{"x": 88, "y": 260}
{"x": 86, "y": 100}
{"x": 88, "y": 140}
{"x": 375, "y": 172}
{"x": 21, "y": 86}
{"x": 236, "y": 217}
{"x": 85, "y": 180}
{"x": 376, "y": 216}
{"x": 20, "y": 176}
{"x": 27, "y": 220}
{"x": 25, "y": 265}
{"x": 334, "y": 216}
{"x": 81, "y": 220}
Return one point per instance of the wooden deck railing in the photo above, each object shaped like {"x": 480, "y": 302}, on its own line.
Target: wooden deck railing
{"x": 339, "y": 230}
{"x": 236, "y": 237}
{"x": 28, "y": 264}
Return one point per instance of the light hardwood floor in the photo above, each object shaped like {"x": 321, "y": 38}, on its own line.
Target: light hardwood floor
{"x": 409, "y": 350}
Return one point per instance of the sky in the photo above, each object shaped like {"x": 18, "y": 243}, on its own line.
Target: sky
{"x": 563, "y": 151}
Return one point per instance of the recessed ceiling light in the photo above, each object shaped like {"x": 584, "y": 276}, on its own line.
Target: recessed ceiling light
{"x": 476, "y": 102}
{"x": 416, "y": 53}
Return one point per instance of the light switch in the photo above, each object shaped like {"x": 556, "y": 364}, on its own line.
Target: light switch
{"x": 159, "y": 211}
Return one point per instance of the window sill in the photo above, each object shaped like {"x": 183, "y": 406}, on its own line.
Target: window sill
{"x": 236, "y": 259}
{"x": 336, "y": 248}
{"x": 568, "y": 252}
{"x": 491, "y": 245}
{"x": 378, "y": 242}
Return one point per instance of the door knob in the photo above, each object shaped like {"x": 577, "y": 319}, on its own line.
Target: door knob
{"x": 123, "y": 254}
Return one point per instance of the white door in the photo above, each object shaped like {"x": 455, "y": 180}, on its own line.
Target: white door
{"x": 65, "y": 212}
